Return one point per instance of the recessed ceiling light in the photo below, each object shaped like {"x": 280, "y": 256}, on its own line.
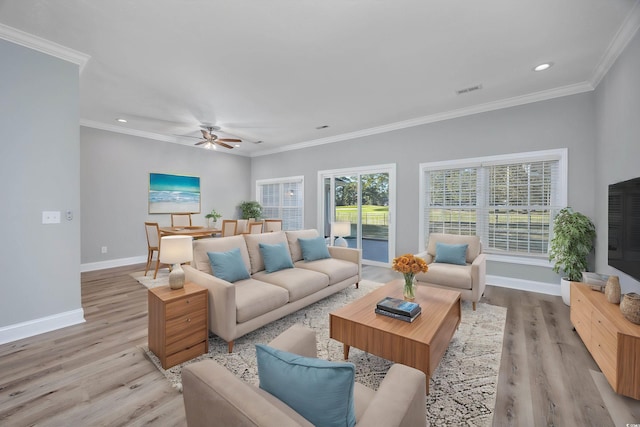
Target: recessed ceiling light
{"x": 121, "y": 120}
{"x": 543, "y": 67}
{"x": 322, "y": 127}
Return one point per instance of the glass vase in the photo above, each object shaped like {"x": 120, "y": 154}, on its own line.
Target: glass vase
{"x": 409, "y": 291}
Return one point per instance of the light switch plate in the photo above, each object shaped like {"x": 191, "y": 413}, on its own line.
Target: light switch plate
{"x": 51, "y": 217}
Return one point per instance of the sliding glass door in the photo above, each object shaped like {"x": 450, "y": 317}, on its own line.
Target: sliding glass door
{"x": 362, "y": 200}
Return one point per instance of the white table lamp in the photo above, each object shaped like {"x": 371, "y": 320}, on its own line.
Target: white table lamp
{"x": 340, "y": 231}
{"x": 175, "y": 250}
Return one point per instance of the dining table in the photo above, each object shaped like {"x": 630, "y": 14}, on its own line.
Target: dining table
{"x": 195, "y": 231}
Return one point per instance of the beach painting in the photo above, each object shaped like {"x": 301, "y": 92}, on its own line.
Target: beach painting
{"x": 173, "y": 193}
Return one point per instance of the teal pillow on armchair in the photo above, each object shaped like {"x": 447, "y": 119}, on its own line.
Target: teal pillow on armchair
{"x": 319, "y": 390}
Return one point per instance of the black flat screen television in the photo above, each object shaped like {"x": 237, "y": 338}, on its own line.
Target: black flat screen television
{"x": 624, "y": 227}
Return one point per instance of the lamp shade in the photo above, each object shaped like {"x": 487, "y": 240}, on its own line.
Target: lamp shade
{"x": 176, "y": 249}
{"x": 341, "y": 229}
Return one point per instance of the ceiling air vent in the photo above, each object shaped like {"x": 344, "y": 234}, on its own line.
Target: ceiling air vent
{"x": 468, "y": 89}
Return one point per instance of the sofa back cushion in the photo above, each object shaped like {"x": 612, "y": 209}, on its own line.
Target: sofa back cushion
{"x": 252, "y": 243}
{"x": 294, "y": 245}
{"x": 217, "y": 244}
{"x": 473, "y": 250}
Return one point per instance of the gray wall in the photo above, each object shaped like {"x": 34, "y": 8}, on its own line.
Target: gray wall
{"x": 558, "y": 123}
{"x": 618, "y": 148}
{"x": 115, "y": 183}
{"x": 39, "y": 171}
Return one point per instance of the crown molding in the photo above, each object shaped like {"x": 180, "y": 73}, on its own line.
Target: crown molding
{"x": 625, "y": 34}
{"x": 448, "y": 115}
{"x": 45, "y": 46}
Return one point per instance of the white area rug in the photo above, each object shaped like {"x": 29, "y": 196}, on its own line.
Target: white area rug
{"x": 162, "y": 278}
{"x": 462, "y": 389}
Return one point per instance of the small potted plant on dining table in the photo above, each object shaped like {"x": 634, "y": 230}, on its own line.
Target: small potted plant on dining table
{"x": 212, "y": 218}
{"x": 409, "y": 265}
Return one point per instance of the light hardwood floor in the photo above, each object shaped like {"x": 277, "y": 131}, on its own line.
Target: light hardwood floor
{"x": 96, "y": 374}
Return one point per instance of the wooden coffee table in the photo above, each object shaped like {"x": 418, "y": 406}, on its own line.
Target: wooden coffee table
{"x": 420, "y": 344}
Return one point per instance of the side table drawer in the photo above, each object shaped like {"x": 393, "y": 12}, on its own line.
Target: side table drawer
{"x": 187, "y": 340}
{"x": 187, "y": 354}
{"x": 186, "y": 305}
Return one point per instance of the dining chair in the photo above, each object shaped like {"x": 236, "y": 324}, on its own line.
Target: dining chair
{"x": 181, "y": 220}
{"x": 242, "y": 226}
{"x": 153, "y": 244}
{"x": 254, "y": 228}
{"x": 229, "y": 227}
{"x": 272, "y": 225}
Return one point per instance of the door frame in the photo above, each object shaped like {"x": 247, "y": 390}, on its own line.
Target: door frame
{"x": 389, "y": 168}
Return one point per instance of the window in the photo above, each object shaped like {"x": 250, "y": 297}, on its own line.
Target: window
{"x": 509, "y": 201}
{"x": 282, "y": 198}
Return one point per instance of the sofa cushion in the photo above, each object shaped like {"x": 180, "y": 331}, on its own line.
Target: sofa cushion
{"x": 474, "y": 249}
{"x": 451, "y": 275}
{"x": 253, "y": 241}
{"x": 297, "y": 281}
{"x": 294, "y": 245}
{"x": 451, "y": 254}
{"x": 314, "y": 248}
{"x": 319, "y": 390}
{"x": 276, "y": 257}
{"x": 337, "y": 269}
{"x": 218, "y": 244}
{"x": 255, "y": 298}
{"x": 228, "y": 265}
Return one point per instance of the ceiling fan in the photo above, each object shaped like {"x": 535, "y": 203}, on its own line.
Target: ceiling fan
{"x": 211, "y": 139}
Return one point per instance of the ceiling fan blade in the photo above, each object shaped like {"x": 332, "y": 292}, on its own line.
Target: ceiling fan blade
{"x": 223, "y": 144}
{"x": 229, "y": 140}
{"x": 200, "y": 143}
{"x": 205, "y": 134}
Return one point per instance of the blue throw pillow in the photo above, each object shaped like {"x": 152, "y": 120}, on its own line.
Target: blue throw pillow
{"x": 319, "y": 390}
{"x": 276, "y": 257}
{"x": 314, "y": 248}
{"x": 451, "y": 254}
{"x": 228, "y": 266}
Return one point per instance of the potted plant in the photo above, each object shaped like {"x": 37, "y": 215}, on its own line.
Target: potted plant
{"x": 573, "y": 235}
{"x": 250, "y": 209}
{"x": 213, "y": 215}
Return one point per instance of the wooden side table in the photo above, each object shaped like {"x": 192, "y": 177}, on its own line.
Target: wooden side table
{"x": 178, "y": 323}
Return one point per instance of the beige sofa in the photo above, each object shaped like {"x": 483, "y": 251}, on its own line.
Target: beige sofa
{"x": 213, "y": 396}
{"x": 468, "y": 279}
{"x": 236, "y": 309}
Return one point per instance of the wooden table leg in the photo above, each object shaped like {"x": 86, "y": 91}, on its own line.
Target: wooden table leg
{"x": 346, "y": 351}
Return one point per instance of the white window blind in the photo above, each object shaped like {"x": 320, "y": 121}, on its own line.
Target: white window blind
{"x": 282, "y": 198}
{"x": 509, "y": 201}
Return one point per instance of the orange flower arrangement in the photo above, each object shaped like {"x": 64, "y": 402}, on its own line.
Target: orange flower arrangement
{"x": 409, "y": 265}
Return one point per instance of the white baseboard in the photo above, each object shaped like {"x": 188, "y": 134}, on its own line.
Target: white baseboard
{"x": 524, "y": 285}
{"x": 30, "y": 328}
{"x": 121, "y": 262}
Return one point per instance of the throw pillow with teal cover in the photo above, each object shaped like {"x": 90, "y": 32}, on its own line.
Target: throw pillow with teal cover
{"x": 314, "y": 248}
{"x": 228, "y": 266}
{"x": 319, "y": 390}
{"x": 276, "y": 257}
{"x": 451, "y": 254}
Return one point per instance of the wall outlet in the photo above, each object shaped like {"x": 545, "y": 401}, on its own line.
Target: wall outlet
{"x": 51, "y": 217}
{"x": 104, "y": 249}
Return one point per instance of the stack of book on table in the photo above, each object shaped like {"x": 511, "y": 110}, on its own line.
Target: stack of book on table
{"x": 398, "y": 309}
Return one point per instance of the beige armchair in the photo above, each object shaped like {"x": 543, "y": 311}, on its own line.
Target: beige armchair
{"x": 468, "y": 279}
{"x": 213, "y": 396}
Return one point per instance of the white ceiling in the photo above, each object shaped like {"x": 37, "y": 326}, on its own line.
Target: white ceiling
{"x": 275, "y": 70}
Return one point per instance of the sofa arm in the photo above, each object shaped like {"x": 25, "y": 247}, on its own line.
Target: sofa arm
{"x": 400, "y": 400}
{"x": 347, "y": 254}
{"x": 297, "y": 339}
{"x": 426, "y": 256}
{"x": 214, "y": 396}
{"x": 479, "y": 276}
{"x": 222, "y": 302}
